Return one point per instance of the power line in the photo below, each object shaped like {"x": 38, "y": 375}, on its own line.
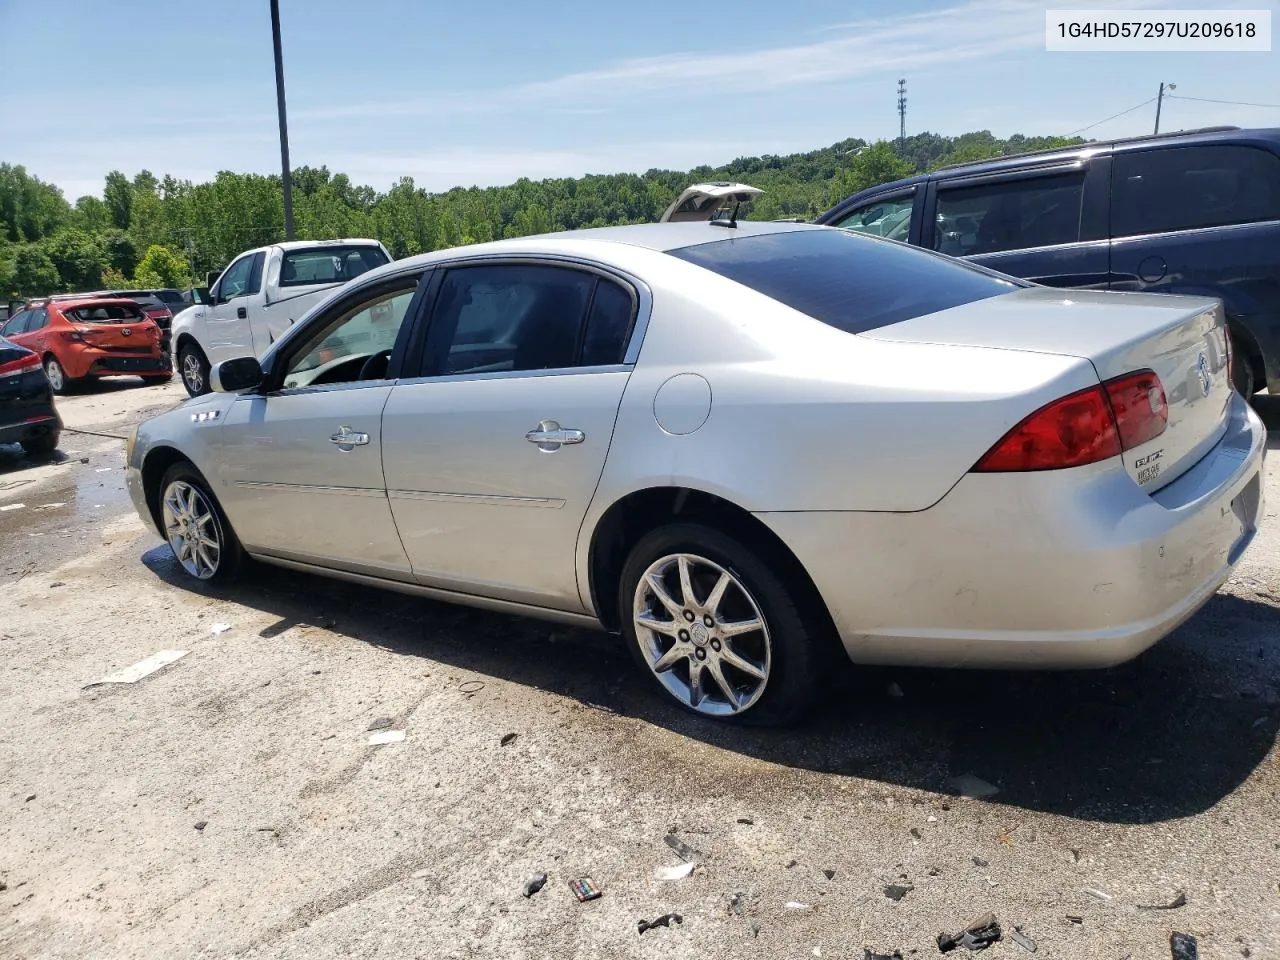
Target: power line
{"x": 1115, "y": 117}
{"x": 1234, "y": 103}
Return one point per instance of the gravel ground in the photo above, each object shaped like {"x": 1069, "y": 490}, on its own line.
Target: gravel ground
{"x": 231, "y": 805}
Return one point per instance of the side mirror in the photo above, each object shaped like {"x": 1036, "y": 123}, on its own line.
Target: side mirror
{"x": 233, "y": 376}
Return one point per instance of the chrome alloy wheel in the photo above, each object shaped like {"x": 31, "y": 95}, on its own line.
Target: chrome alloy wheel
{"x": 192, "y": 375}
{"x": 192, "y": 529}
{"x": 713, "y": 653}
{"x": 53, "y": 370}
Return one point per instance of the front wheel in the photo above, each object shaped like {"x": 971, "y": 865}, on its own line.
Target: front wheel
{"x": 718, "y": 628}
{"x": 42, "y": 445}
{"x": 194, "y": 369}
{"x": 195, "y": 526}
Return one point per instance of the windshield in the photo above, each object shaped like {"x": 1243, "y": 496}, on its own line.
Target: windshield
{"x": 113, "y": 313}
{"x": 328, "y": 265}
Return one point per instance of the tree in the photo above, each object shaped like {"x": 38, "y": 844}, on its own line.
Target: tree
{"x": 92, "y": 214}
{"x": 34, "y": 274}
{"x": 874, "y": 165}
{"x": 120, "y": 250}
{"x": 161, "y": 267}
{"x": 113, "y": 279}
{"x": 118, "y": 197}
{"x": 78, "y": 258}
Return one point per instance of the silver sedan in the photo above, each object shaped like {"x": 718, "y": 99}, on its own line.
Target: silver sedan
{"x": 744, "y": 447}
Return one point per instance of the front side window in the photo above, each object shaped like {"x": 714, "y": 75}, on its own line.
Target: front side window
{"x": 881, "y": 218}
{"x": 504, "y": 318}
{"x": 235, "y": 282}
{"x": 17, "y": 324}
{"x": 1039, "y": 211}
{"x": 301, "y": 268}
{"x": 355, "y": 345}
{"x": 1157, "y": 191}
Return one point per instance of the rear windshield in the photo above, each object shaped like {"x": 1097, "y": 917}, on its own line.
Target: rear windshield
{"x": 114, "y": 313}
{"x": 328, "y": 265}
{"x": 851, "y": 282}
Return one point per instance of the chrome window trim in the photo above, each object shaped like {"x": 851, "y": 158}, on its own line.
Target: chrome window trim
{"x": 515, "y": 374}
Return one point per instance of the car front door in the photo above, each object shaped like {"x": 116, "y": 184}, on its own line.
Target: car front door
{"x": 301, "y": 463}
{"x": 493, "y": 454}
{"x": 1046, "y": 224}
{"x": 226, "y": 318}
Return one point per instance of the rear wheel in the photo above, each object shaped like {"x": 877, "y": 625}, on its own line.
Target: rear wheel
{"x": 193, "y": 367}
{"x": 197, "y": 530}
{"x": 718, "y": 628}
{"x": 42, "y": 445}
{"x": 58, "y": 378}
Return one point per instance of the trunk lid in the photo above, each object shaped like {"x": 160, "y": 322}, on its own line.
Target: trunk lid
{"x": 139, "y": 336}
{"x": 1183, "y": 339}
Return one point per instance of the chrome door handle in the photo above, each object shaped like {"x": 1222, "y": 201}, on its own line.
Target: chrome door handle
{"x": 550, "y": 436}
{"x": 347, "y": 439}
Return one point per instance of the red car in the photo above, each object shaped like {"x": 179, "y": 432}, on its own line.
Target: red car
{"x": 90, "y": 337}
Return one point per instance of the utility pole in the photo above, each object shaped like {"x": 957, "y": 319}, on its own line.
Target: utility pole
{"x": 1160, "y": 102}
{"x": 284, "y": 127}
{"x": 902, "y": 114}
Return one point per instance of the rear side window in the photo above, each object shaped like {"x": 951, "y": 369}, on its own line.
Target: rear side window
{"x": 1009, "y": 215}
{"x": 328, "y": 265}
{"x": 114, "y": 313}
{"x": 39, "y": 320}
{"x": 852, "y": 283}
{"x": 608, "y": 325}
{"x": 1157, "y": 191}
{"x": 171, "y": 299}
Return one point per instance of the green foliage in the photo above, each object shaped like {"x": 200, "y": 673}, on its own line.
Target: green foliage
{"x": 161, "y": 267}
{"x": 121, "y": 252}
{"x": 29, "y": 209}
{"x": 113, "y": 279}
{"x": 33, "y": 272}
{"x": 78, "y": 258}
{"x": 118, "y": 198}
{"x": 876, "y": 164}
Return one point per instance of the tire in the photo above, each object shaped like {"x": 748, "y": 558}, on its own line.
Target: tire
{"x": 1242, "y": 369}
{"x": 42, "y": 445}
{"x": 193, "y": 367}
{"x": 187, "y": 509}
{"x": 58, "y": 379}
{"x": 788, "y": 652}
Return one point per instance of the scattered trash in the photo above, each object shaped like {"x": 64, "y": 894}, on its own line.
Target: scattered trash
{"x": 675, "y": 873}
{"x": 143, "y": 668}
{"x": 1179, "y": 900}
{"x": 56, "y": 584}
{"x": 797, "y": 906}
{"x": 51, "y": 506}
{"x": 219, "y": 628}
{"x": 266, "y": 830}
{"x": 735, "y": 903}
{"x": 869, "y": 954}
{"x": 1075, "y": 855}
{"x": 1183, "y": 946}
{"x": 915, "y": 832}
{"x": 896, "y": 891}
{"x": 201, "y": 824}
{"x": 381, "y": 723}
{"x": 755, "y": 929}
{"x": 1097, "y": 894}
{"x": 30, "y": 797}
{"x": 507, "y": 738}
{"x": 471, "y": 686}
{"x": 894, "y": 691}
{"x": 584, "y": 889}
{"x": 1074, "y": 919}
{"x": 84, "y": 459}
{"x": 979, "y": 862}
{"x": 746, "y": 821}
{"x": 931, "y": 819}
{"x": 533, "y": 883}
{"x": 11, "y": 506}
{"x": 663, "y": 921}
{"x": 103, "y": 470}
{"x": 1022, "y": 940}
{"x": 978, "y": 935}
{"x": 791, "y": 865}
{"x": 385, "y": 736}
{"x": 829, "y": 874}
{"x": 682, "y": 849}
{"x": 967, "y": 785}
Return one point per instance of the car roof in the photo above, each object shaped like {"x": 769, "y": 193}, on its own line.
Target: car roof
{"x": 288, "y": 245}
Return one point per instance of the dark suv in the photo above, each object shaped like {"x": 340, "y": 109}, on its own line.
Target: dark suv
{"x": 1193, "y": 213}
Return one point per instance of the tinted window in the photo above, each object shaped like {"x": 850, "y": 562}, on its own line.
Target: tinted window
{"x": 39, "y": 320}
{"x": 328, "y": 265}
{"x": 171, "y": 299}
{"x": 1160, "y": 190}
{"x": 608, "y": 325}
{"x": 1009, "y": 215}
{"x": 850, "y": 282}
{"x": 881, "y": 218}
{"x": 113, "y": 313}
{"x": 235, "y": 282}
{"x": 505, "y": 318}
{"x": 17, "y": 324}
{"x": 255, "y": 273}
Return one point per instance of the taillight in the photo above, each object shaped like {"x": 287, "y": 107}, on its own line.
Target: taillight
{"x": 1084, "y": 427}
{"x": 28, "y": 364}
{"x": 74, "y": 336}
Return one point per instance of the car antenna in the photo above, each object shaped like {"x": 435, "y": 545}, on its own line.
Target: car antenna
{"x": 732, "y": 222}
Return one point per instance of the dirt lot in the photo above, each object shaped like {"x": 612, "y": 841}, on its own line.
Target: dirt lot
{"x": 231, "y": 804}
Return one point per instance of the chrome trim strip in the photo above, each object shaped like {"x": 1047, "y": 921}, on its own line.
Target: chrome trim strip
{"x": 476, "y": 498}
{"x": 312, "y": 488}
{"x": 512, "y": 374}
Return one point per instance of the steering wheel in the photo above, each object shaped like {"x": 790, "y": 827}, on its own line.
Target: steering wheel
{"x": 375, "y": 368}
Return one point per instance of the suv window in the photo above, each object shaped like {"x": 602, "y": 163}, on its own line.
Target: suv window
{"x": 1155, "y": 191}
{"x": 510, "y": 317}
{"x": 852, "y": 283}
{"x": 328, "y": 265}
{"x": 1009, "y": 215}
{"x": 235, "y": 282}
{"x": 890, "y": 218}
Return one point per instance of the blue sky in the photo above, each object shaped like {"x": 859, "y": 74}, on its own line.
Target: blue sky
{"x": 483, "y": 92}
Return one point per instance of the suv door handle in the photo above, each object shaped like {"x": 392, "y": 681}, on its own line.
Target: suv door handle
{"x": 348, "y": 439}
{"x": 550, "y": 436}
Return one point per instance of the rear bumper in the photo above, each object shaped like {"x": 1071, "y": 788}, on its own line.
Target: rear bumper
{"x": 36, "y": 423}
{"x": 111, "y": 364}
{"x": 1062, "y": 569}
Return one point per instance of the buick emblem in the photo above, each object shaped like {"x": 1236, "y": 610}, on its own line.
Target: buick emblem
{"x": 1202, "y": 370}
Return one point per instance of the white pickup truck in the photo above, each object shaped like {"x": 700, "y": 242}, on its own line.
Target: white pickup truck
{"x": 259, "y": 296}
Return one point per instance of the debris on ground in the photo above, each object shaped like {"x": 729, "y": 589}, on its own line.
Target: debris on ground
{"x": 533, "y": 883}
{"x": 967, "y": 785}
{"x": 896, "y": 891}
{"x": 978, "y": 935}
{"x": 755, "y": 929}
{"x": 829, "y": 874}
{"x": 57, "y": 583}
{"x": 792, "y": 864}
{"x": 682, "y": 849}
{"x": 931, "y": 819}
{"x": 663, "y": 921}
{"x": 201, "y": 824}
{"x": 143, "y": 668}
{"x": 584, "y": 889}
{"x": 746, "y": 821}
{"x": 1022, "y": 940}
{"x": 381, "y": 723}
{"x": 507, "y": 738}
{"x": 219, "y": 628}
{"x": 735, "y": 902}
{"x": 979, "y": 862}
{"x": 11, "y": 506}
{"x": 30, "y": 797}
{"x": 1183, "y": 946}
{"x": 1097, "y": 894}
{"x": 471, "y": 686}
{"x": 869, "y": 954}
{"x": 1071, "y": 918}
{"x": 675, "y": 873}
{"x": 385, "y": 736}
{"x": 915, "y": 832}
{"x": 798, "y": 907}
{"x": 1179, "y": 900}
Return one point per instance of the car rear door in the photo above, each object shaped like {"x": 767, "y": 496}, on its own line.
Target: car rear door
{"x": 492, "y": 454}
{"x": 1046, "y": 224}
